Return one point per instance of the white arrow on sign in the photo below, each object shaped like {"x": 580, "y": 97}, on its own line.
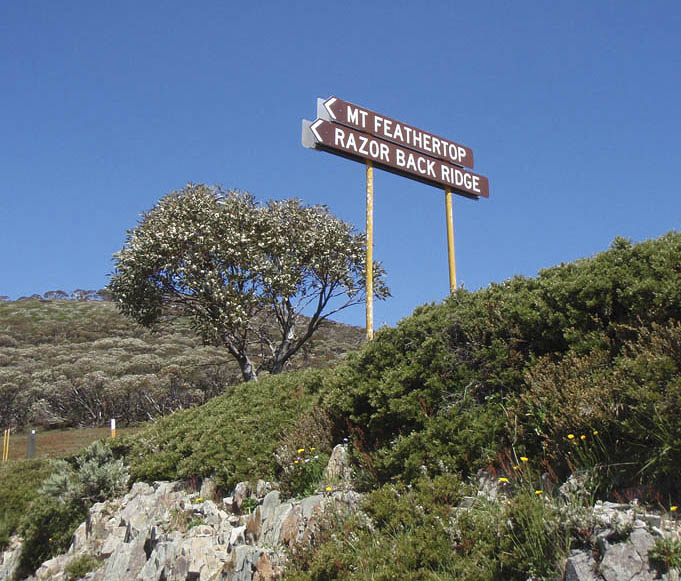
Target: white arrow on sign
{"x": 314, "y": 126}
{"x": 324, "y": 110}
{"x": 328, "y": 104}
{"x": 310, "y": 135}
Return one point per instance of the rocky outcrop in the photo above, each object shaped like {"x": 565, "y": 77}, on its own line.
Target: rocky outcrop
{"x": 160, "y": 531}
{"x": 626, "y": 536}
{"x": 9, "y": 558}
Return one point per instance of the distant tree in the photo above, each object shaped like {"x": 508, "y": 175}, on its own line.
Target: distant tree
{"x": 102, "y": 294}
{"x": 244, "y": 273}
{"x": 84, "y": 295}
{"x": 56, "y": 294}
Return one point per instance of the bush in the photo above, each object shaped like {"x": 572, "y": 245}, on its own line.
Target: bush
{"x": 63, "y": 501}
{"x": 547, "y": 356}
{"x": 617, "y": 415}
{"x": 47, "y": 531}
{"x": 231, "y": 438}
{"x": 666, "y": 554}
{"x": 19, "y": 482}
{"x": 303, "y": 452}
{"x": 406, "y": 538}
{"x": 81, "y": 566}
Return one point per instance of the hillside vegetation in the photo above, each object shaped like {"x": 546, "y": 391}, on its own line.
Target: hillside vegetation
{"x": 574, "y": 372}
{"x": 80, "y": 363}
{"x": 558, "y": 389}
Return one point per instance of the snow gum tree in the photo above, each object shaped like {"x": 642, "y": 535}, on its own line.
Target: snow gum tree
{"x": 258, "y": 279}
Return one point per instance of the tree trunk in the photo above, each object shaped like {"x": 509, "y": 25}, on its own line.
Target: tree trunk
{"x": 247, "y": 370}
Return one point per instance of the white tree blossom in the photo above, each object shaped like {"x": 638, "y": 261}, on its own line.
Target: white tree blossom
{"x": 244, "y": 273}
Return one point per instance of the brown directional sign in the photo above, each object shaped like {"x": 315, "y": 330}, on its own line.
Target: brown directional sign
{"x": 343, "y": 140}
{"x": 339, "y": 111}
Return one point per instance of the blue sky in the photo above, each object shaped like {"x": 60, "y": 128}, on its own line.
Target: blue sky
{"x": 571, "y": 108}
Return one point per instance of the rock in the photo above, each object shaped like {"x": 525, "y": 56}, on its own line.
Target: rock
{"x": 272, "y": 526}
{"x": 265, "y": 571}
{"x": 254, "y": 527}
{"x": 241, "y": 493}
{"x": 310, "y": 505}
{"x": 208, "y": 489}
{"x": 654, "y": 520}
{"x": 126, "y": 562}
{"x": 642, "y": 541}
{"x": 161, "y": 532}
{"x": 262, "y": 488}
{"x": 628, "y": 561}
{"x": 112, "y": 541}
{"x": 269, "y": 505}
{"x": 290, "y": 527}
{"x": 9, "y": 558}
{"x": 488, "y": 486}
{"x": 237, "y": 535}
{"x": 53, "y": 569}
{"x": 160, "y": 563}
{"x": 467, "y": 502}
{"x": 581, "y": 566}
{"x": 338, "y": 468}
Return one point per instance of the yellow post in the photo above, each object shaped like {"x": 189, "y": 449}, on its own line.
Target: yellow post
{"x": 370, "y": 250}
{"x": 5, "y": 446}
{"x": 450, "y": 240}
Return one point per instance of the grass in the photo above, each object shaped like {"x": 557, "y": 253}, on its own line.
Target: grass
{"x": 59, "y": 443}
{"x": 19, "y": 482}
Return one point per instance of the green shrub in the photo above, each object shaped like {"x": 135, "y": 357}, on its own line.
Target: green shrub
{"x": 47, "y": 530}
{"x": 666, "y": 554}
{"x": 100, "y": 475}
{"x": 460, "y": 439}
{"x": 303, "y": 452}
{"x": 232, "y": 438}
{"x": 19, "y": 482}
{"x": 406, "y": 538}
{"x": 63, "y": 500}
{"x": 561, "y": 353}
{"x": 615, "y": 416}
{"x": 81, "y": 566}
{"x": 5, "y": 529}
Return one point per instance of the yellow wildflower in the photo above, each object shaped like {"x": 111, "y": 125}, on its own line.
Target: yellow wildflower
{"x": 595, "y": 432}
{"x": 571, "y": 436}
{"x": 516, "y": 467}
{"x": 524, "y": 459}
{"x": 582, "y": 437}
{"x": 301, "y": 450}
{"x": 673, "y": 508}
{"x": 296, "y": 461}
{"x": 328, "y": 489}
{"x": 502, "y": 479}
{"x": 539, "y": 492}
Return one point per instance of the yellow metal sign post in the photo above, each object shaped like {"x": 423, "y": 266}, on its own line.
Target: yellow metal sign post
{"x": 450, "y": 239}
{"x": 5, "y": 445}
{"x": 356, "y": 133}
{"x": 370, "y": 250}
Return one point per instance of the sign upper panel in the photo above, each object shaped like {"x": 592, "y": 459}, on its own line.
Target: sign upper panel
{"x": 339, "y": 111}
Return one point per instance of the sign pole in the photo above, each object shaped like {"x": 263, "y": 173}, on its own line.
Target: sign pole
{"x": 450, "y": 239}
{"x": 5, "y": 445}
{"x": 370, "y": 250}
